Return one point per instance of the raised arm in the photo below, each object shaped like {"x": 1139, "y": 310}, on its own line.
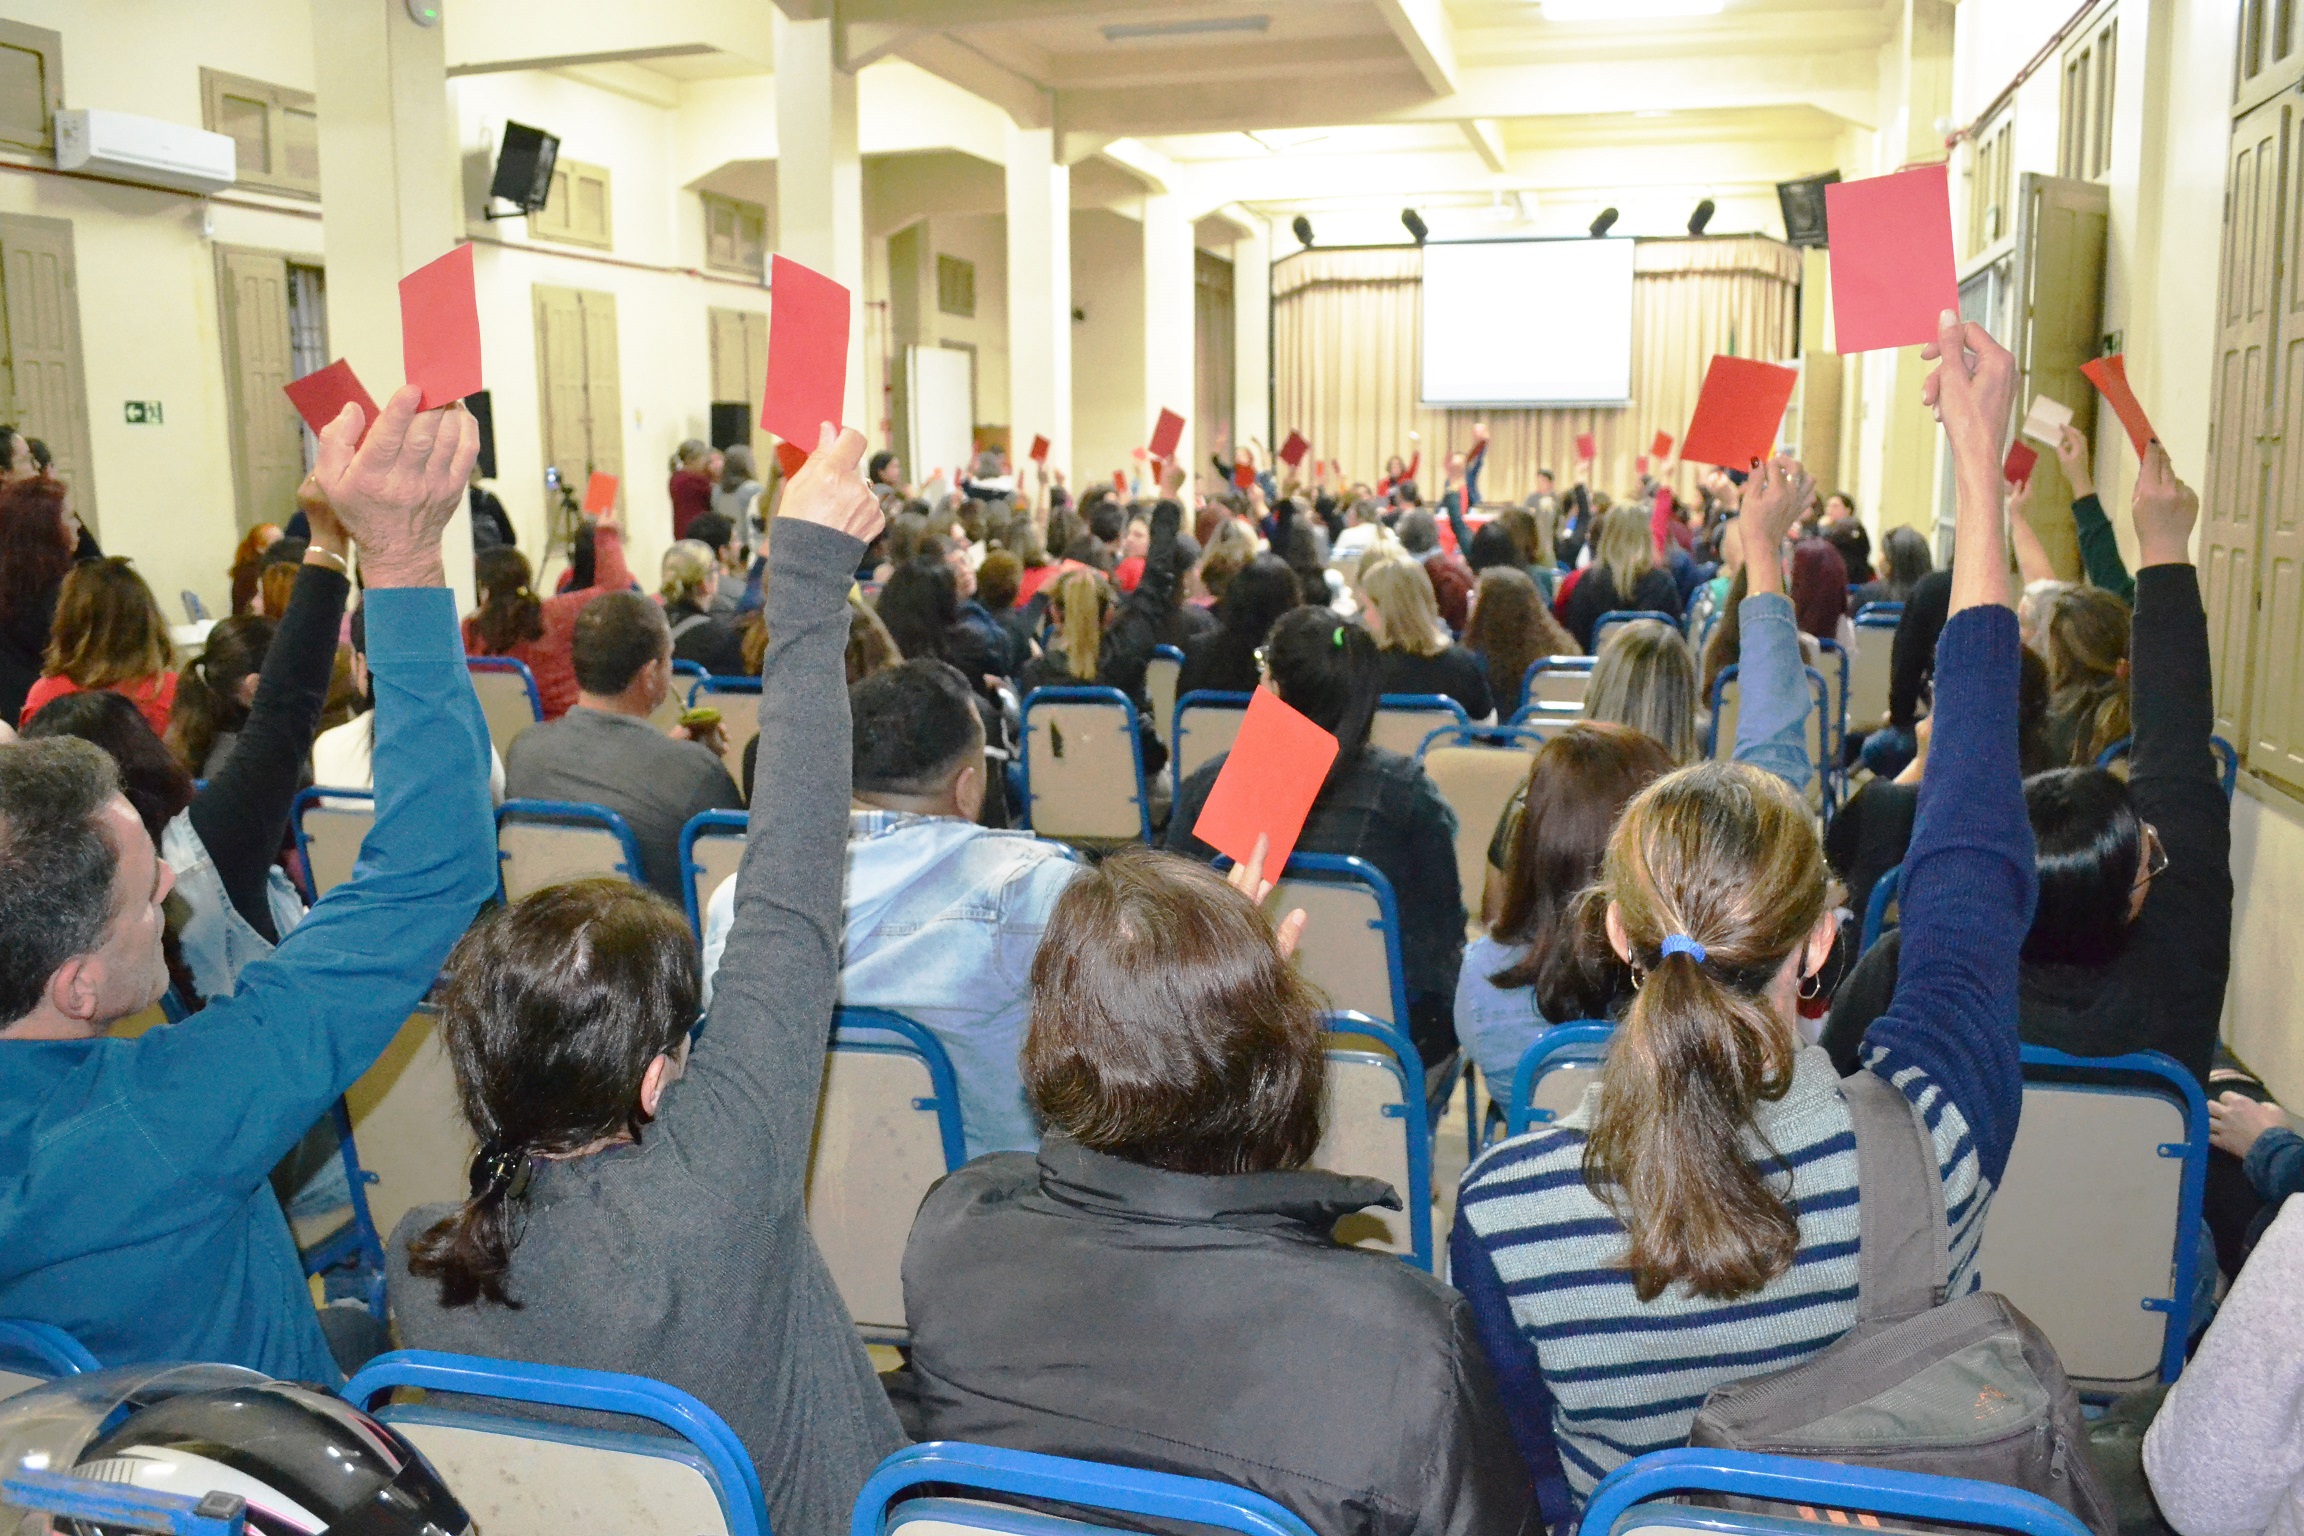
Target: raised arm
{"x": 2099, "y": 546}
{"x": 1773, "y": 701}
{"x": 1968, "y": 883}
{"x": 2032, "y": 562}
{"x": 1474, "y": 462}
{"x": 745, "y": 1115}
{"x": 247, "y": 1076}
{"x": 242, "y": 815}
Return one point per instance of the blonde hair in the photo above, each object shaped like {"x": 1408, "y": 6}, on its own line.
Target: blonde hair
{"x": 688, "y": 565}
{"x": 1626, "y": 549}
{"x": 1080, "y": 599}
{"x": 1402, "y": 592}
{"x": 1725, "y": 855}
{"x": 108, "y": 629}
{"x": 1645, "y": 677}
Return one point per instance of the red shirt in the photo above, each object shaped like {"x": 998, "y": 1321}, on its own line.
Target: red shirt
{"x": 1035, "y": 577}
{"x": 691, "y": 499}
{"x": 154, "y": 697}
{"x": 551, "y": 658}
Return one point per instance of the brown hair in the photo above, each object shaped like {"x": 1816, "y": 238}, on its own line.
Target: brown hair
{"x": 1401, "y": 590}
{"x": 997, "y": 580}
{"x": 108, "y": 629}
{"x": 510, "y": 610}
{"x": 35, "y": 546}
{"x": 1080, "y": 598}
{"x": 551, "y": 1009}
{"x": 1578, "y": 785}
{"x": 870, "y": 647}
{"x": 2086, "y": 637}
{"x": 248, "y": 561}
{"x": 1511, "y": 626}
{"x": 1167, "y": 1029}
{"x": 1725, "y": 855}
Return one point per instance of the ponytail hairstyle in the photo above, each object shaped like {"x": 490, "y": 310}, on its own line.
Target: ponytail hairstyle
{"x": 510, "y": 610}
{"x": 1326, "y": 670}
{"x": 1720, "y": 863}
{"x": 1080, "y": 600}
{"x": 552, "y": 1009}
{"x": 208, "y": 692}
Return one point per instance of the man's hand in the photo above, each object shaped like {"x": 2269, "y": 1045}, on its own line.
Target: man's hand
{"x": 2164, "y": 510}
{"x": 395, "y": 493}
{"x": 328, "y": 535}
{"x": 829, "y": 489}
{"x": 2074, "y": 453}
{"x": 1171, "y": 478}
{"x": 2235, "y": 1121}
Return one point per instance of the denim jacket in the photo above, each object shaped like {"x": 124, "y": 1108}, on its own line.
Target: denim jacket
{"x": 219, "y": 943}
{"x": 943, "y": 919}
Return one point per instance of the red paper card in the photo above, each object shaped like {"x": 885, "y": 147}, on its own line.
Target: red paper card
{"x": 1640, "y": 465}
{"x": 1737, "y": 413}
{"x": 2016, "y": 469}
{"x": 1662, "y": 447}
{"x": 1893, "y": 273}
{"x": 1039, "y": 449}
{"x": 807, "y": 353}
{"x": 1587, "y": 447}
{"x": 2110, "y": 376}
{"x": 1292, "y": 451}
{"x": 599, "y": 494}
{"x": 1243, "y": 473}
{"x": 320, "y": 397}
{"x": 440, "y": 329}
{"x": 1267, "y": 784}
{"x": 1166, "y": 434}
{"x": 790, "y": 456}
{"x": 1120, "y": 482}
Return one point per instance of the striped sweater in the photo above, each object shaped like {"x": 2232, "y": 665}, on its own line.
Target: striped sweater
{"x": 1591, "y": 1375}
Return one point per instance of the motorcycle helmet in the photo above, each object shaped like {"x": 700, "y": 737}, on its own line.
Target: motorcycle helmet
{"x": 306, "y": 1463}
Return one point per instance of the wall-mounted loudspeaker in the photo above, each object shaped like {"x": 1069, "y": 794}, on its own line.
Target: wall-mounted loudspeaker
{"x": 523, "y": 169}
{"x": 731, "y": 423}
{"x": 1803, "y": 205}
{"x": 484, "y": 417}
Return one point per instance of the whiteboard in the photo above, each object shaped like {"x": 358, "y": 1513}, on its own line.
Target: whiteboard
{"x": 1528, "y": 322}
{"x": 942, "y": 397}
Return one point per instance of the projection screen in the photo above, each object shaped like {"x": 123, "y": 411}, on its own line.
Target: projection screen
{"x": 1528, "y": 323}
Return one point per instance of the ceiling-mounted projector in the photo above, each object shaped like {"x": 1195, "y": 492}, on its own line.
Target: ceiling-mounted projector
{"x": 145, "y": 149}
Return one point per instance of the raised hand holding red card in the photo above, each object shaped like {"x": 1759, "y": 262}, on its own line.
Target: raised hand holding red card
{"x": 1738, "y": 412}
{"x": 1166, "y": 434}
{"x": 440, "y": 330}
{"x": 1587, "y": 446}
{"x": 2016, "y": 469}
{"x": 1893, "y": 271}
{"x": 320, "y": 397}
{"x": 1267, "y": 784}
{"x": 807, "y": 353}
{"x": 1661, "y": 448}
{"x": 1039, "y": 449}
{"x": 599, "y": 493}
{"x": 1292, "y": 451}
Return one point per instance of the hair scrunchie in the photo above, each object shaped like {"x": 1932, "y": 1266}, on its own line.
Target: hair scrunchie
{"x": 498, "y": 1173}
{"x": 1681, "y": 944}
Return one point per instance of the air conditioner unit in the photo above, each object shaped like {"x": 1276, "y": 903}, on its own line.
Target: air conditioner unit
{"x": 144, "y": 149}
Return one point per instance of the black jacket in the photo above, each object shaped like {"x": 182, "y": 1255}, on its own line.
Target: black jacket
{"x": 1596, "y": 595}
{"x": 1079, "y": 1305}
{"x": 713, "y": 641}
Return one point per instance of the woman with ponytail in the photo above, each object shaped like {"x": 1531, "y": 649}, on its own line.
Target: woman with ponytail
{"x": 215, "y": 690}
{"x": 1374, "y": 804}
{"x": 1695, "y": 1221}
{"x": 540, "y": 632}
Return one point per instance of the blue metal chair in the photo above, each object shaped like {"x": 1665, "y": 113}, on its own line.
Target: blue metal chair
{"x": 40, "y": 1350}
{"x": 738, "y": 700}
{"x": 1876, "y": 907}
{"x": 1868, "y": 672}
{"x": 1403, "y": 720}
{"x": 1368, "y": 1092}
{"x": 1160, "y": 677}
{"x": 721, "y": 834}
{"x": 883, "y": 1508}
{"x": 1534, "y": 683}
{"x": 2227, "y": 759}
{"x": 471, "y": 1448}
{"x": 1346, "y": 899}
{"x": 1637, "y": 1496}
{"x": 571, "y": 852}
{"x": 691, "y": 670}
{"x": 509, "y": 701}
{"x": 112, "y": 1506}
{"x": 1819, "y": 732}
{"x": 330, "y": 826}
{"x": 357, "y": 1242}
{"x": 1616, "y": 616}
{"x": 1207, "y": 722}
{"x": 1570, "y": 1051}
{"x": 1884, "y": 615}
{"x": 1080, "y": 744}
{"x": 1833, "y": 663}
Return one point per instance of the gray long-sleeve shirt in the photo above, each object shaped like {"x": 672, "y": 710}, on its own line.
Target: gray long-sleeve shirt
{"x": 2226, "y": 1452}
{"x": 687, "y": 1257}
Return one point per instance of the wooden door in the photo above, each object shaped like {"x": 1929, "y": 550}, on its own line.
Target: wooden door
{"x": 2239, "y": 413}
{"x": 740, "y": 362}
{"x": 560, "y": 384}
{"x": 2275, "y": 746}
{"x": 46, "y": 392}
{"x": 267, "y": 437}
{"x": 2064, "y": 223}
{"x": 603, "y": 387}
{"x": 1211, "y": 353}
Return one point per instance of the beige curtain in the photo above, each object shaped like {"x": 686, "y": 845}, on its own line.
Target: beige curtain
{"x": 1347, "y": 344}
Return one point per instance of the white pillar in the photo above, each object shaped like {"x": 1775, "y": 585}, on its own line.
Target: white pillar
{"x": 389, "y": 197}
{"x": 1252, "y": 340}
{"x": 1169, "y": 321}
{"x": 820, "y": 179}
{"x": 1039, "y": 296}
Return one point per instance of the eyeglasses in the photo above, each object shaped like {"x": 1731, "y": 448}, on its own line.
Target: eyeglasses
{"x": 2155, "y": 857}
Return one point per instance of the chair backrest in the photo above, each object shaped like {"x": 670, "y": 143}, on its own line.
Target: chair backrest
{"x": 1084, "y": 767}
{"x": 1476, "y": 772}
{"x": 1877, "y": 904}
{"x": 1375, "y": 1127}
{"x": 1868, "y": 670}
{"x": 1351, "y": 945}
{"x": 1207, "y": 723}
{"x": 330, "y": 826}
{"x": 1546, "y": 720}
{"x": 1556, "y": 680}
{"x": 738, "y": 700}
{"x": 1832, "y": 662}
{"x": 350, "y": 1240}
{"x": 1160, "y": 674}
{"x": 1608, "y": 623}
{"x": 711, "y": 848}
{"x": 31, "y": 1353}
{"x": 546, "y": 842}
{"x": 2227, "y": 762}
{"x": 887, "y": 1127}
{"x": 1637, "y": 1499}
{"x": 1554, "y": 1072}
{"x": 1724, "y": 711}
{"x": 2110, "y": 1162}
{"x": 1403, "y": 720}
{"x": 509, "y": 701}
{"x": 685, "y": 675}
{"x": 522, "y": 1477}
{"x": 415, "y": 1145}
{"x": 884, "y": 1507}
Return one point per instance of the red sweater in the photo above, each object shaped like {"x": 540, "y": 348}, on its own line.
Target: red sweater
{"x": 154, "y": 697}
{"x": 551, "y": 658}
{"x": 691, "y": 499}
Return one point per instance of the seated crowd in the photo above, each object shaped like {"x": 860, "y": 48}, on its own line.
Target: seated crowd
{"x": 1137, "y": 1262}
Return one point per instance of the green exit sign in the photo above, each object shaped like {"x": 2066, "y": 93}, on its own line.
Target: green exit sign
{"x": 143, "y": 413}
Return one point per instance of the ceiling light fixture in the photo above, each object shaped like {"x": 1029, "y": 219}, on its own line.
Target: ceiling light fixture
{"x": 1135, "y": 31}
{"x": 1628, "y": 10}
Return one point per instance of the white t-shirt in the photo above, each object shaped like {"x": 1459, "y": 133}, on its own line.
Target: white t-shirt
{"x": 343, "y": 758}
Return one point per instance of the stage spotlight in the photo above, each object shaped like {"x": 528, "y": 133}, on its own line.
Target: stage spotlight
{"x": 1303, "y": 228}
{"x": 1701, "y": 217}
{"x": 1415, "y": 224}
{"x": 1604, "y": 223}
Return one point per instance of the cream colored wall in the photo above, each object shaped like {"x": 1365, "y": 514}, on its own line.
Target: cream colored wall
{"x": 1109, "y": 417}
{"x": 2265, "y": 999}
{"x": 983, "y": 239}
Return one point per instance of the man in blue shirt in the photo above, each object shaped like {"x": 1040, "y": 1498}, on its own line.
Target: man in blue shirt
{"x": 136, "y": 1211}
